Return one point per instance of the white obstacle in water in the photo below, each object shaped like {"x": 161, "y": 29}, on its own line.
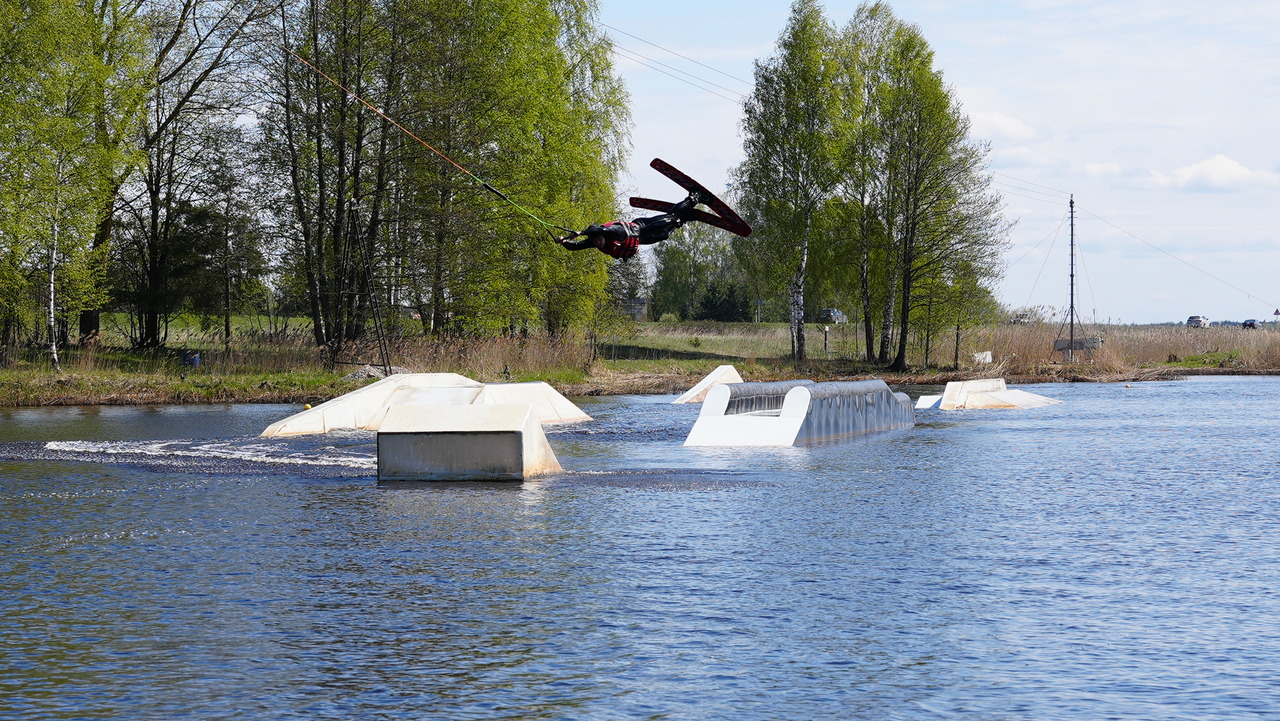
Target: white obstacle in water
{"x": 719, "y": 376}
{"x": 981, "y": 394}
{"x": 492, "y": 442}
{"x": 548, "y": 405}
{"x": 366, "y": 407}
{"x": 796, "y": 413}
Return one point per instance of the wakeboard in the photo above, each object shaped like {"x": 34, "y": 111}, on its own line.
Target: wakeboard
{"x": 721, "y": 215}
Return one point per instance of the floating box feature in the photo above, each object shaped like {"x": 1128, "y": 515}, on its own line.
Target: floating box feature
{"x": 759, "y": 398}
{"x": 721, "y": 375}
{"x": 490, "y": 442}
{"x": 797, "y": 413}
{"x": 366, "y": 408}
{"x": 982, "y": 394}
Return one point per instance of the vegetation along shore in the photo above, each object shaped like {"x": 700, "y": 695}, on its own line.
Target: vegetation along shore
{"x": 190, "y": 215}
{"x": 638, "y": 358}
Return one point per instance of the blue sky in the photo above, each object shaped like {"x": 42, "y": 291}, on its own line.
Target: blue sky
{"x": 1160, "y": 117}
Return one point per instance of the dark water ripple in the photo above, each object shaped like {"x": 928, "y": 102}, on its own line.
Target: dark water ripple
{"x": 1116, "y": 556}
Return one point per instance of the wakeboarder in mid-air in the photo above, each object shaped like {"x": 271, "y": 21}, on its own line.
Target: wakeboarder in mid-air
{"x": 621, "y": 239}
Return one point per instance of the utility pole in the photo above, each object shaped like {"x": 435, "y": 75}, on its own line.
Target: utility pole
{"x": 1071, "y": 312}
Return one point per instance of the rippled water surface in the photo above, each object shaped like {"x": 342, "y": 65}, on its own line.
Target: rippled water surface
{"x": 1116, "y": 556}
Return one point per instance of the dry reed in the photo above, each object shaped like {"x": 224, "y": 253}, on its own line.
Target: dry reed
{"x": 1124, "y": 349}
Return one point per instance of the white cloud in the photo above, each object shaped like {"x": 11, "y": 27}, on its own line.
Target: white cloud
{"x": 1022, "y": 157}
{"x": 1099, "y": 170}
{"x": 998, "y": 126}
{"x": 1216, "y": 173}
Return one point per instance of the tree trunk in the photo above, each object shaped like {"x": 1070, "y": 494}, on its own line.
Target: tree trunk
{"x": 864, "y": 279}
{"x": 904, "y": 315}
{"x": 955, "y": 363}
{"x": 928, "y": 330}
{"x": 226, "y": 281}
{"x": 886, "y": 323}
{"x": 311, "y": 241}
{"x": 91, "y": 319}
{"x": 795, "y": 296}
{"x": 904, "y": 308}
{"x": 53, "y": 331}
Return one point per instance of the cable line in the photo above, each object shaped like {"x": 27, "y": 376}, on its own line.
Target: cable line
{"x": 678, "y": 70}
{"x": 1063, "y": 193}
{"x": 1184, "y": 262}
{"x": 646, "y": 42}
{"x": 1042, "y": 240}
{"x": 1088, "y": 282}
{"x": 547, "y": 226}
{"x": 1048, "y": 254}
{"x": 626, "y": 53}
{"x": 1056, "y": 199}
{"x": 1028, "y": 197}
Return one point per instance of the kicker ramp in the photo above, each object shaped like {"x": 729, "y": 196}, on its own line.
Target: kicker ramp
{"x": 698, "y": 393}
{"x": 493, "y": 442}
{"x": 983, "y": 394}
{"x": 797, "y": 413}
{"x": 366, "y": 407}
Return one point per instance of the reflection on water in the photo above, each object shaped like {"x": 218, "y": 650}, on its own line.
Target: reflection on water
{"x": 1110, "y": 557}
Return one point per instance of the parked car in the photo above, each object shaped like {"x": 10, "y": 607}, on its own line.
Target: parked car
{"x": 1251, "y": 324}
{"x": 832, "y": 315}
{"x": 1020, "y": 319}
{"x": 1198, "y": 321}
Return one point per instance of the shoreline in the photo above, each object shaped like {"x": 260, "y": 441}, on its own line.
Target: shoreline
{"x": 676, "y": 383}
{"x": 74, "y": 390}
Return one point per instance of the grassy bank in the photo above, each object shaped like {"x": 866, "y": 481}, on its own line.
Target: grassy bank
{"x": 25, "y": 388}
{"x": 643, "y": 358}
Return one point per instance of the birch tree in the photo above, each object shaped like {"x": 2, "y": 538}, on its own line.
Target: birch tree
{"x": 940, "y": 214}
{"x": 64, "y": 76}
{"x": 916, "y": 197}
{"x": 788, "y": 173}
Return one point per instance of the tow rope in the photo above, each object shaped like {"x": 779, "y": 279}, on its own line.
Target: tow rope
{"x": 546, "y": 226}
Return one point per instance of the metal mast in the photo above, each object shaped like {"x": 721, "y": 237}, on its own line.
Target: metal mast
{"x": 1071, "y": 312}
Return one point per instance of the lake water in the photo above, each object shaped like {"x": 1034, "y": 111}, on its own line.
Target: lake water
{"x": 1116, "y": 556}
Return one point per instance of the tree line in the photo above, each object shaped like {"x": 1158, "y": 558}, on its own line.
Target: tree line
{"x": 865, "y": 189}
{"x": 161, "y": 157}
{"x": 166, "y": 157}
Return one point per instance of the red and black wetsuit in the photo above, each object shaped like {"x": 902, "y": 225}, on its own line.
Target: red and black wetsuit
{"x": 621, "y": 238}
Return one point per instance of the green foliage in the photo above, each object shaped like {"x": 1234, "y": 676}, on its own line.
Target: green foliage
{"x": 518, "y": 92}
{"x": 862, "y": 182}
{"x": 789, "y": 172}
{"x": 698, "y": 278}
{"x": 70, "y": 85}
{"x": 325, "y": 207}
{"x": 1216, "y": 359}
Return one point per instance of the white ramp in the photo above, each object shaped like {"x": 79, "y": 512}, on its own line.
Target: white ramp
{"x": 487, "y": 442}
{"x": 796, "y": 413}
{"x": 548, "y": 405}
{"x": 698, "y": 393}
{"x": 927, "y": 402}
{"x": 982, "y": 394}
{"x": 366, "y": 407}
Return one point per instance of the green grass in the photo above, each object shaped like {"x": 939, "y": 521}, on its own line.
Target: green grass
{"x": 566, "y": 376}
{"x": 1220, "y": 359}
{"x": 725, "y": 340}
{"x": 112, "y": 387}
{"x": 291, "y": 370}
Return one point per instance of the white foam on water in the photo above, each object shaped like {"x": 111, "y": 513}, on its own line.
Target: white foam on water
{"x": 253, "y": 452}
